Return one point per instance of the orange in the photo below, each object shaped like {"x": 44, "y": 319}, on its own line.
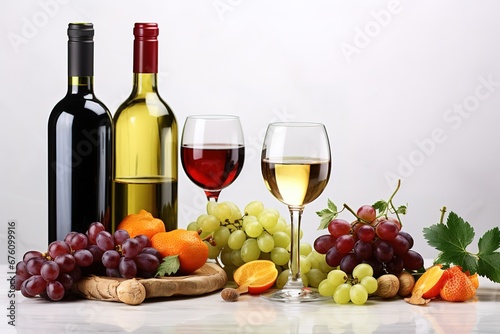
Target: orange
{"x": 458, "y": 286}
{"x": 142, "y": 222}
{"x": 191, "y": 249}
{"x": 258, "y": 275}
{"x": 431, "y": 282}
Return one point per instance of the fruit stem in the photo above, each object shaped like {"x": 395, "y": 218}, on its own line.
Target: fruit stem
{"x": 354, "y": 213}
{"x": 443, "y": 211}
{"x": 392, "y": 205}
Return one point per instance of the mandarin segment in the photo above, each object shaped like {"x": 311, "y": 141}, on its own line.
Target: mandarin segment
{"x": 142, "y": 222}
{"x": 191, "y": 249}
{"x": 431, "y": 282}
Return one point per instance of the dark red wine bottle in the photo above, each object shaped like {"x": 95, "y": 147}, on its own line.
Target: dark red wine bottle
{"x": 79, "y": 146}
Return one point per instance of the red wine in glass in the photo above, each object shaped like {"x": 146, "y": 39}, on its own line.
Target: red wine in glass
{"x": 212, "y": 167}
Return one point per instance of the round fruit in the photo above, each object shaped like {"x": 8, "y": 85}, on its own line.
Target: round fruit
{"x": 141, "y": 223}
{"x": 258, "y": 275}
{"x": 192, "y": 251}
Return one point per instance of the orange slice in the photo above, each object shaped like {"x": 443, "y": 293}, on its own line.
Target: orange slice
{"x": 258, "y": 276}
{"x": 431, "y": 282}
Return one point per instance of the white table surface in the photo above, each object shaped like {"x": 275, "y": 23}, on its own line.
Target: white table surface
{"x": 251, "y": 314}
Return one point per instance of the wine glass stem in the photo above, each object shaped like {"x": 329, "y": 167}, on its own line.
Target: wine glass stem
{"x": 294, "y": 279}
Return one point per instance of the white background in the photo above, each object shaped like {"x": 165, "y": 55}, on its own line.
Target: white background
{"x": 387, "y": 78}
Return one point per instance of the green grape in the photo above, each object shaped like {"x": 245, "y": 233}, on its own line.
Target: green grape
{"x": 221, "y": 235}
{"x": 211, "y": 208}
{"x": 268, "y": 218}
{"x": 254, "y": 208}
{"x": 236, "y": 239}
{"x": 225, "y": 256}
{"x": 337, "y": 277}
{"x": 209, "y": 223}
{"x": 223, "y": 212}
{"x": 280, "y": 256}
{"x": 358, "y": 294}
{"x": 193, "y": 226}
{"x": 250, "y": 250}
{"x": 315, "y": 276}
{"x": 370, "y": 284}
{"x": 235, "y": 211}
{"x": 282, "y": 279}
{"x": 305, "y": 265}
{"x": 324, "y": 267}
{"x": 314, "y": 260}
{"x": 213, "y": 251}
{"x": 362, "y": 270}
{"x": 342, "y": 293}
{"x": 305, "y": 248}
{"x": 236, "y": 258}
{"x": 254, "y": 229}
{"x": 265, "y": 241}
{"x": 249, "y": 219}
{"x": 281, "y": 239}
{"x": 279, "y": 227}
{"x": 326, "y": 288}
{"x": 200, "y": 218}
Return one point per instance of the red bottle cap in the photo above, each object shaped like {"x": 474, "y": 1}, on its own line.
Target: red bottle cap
{"x": 146, "y": 48}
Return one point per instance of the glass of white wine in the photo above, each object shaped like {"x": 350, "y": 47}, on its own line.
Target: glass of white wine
{"x": 295, "y": 165}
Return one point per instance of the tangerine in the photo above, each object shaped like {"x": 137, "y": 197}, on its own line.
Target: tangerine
{"x": 191, "y": 249}
{"x": 258, "y": 275}
{"x": 142, "y": 222}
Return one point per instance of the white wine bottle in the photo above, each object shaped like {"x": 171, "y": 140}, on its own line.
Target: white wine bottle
{"x": 145, "y": 141}
{"x": 79, "y": 146}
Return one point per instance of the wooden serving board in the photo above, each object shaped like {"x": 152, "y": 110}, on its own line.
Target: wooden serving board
{"x": 211, "y": 277}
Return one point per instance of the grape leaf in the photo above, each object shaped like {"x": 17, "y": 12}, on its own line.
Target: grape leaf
{"x": 381, "y": 206}
{"x": 488, "y": 266}
{"x": 402, "y": 209}
{"x": 489, "y": 242}
{"x": 327, "y": 214}
{"x": 452, "y": 239}
{"x": 169, "y": 266}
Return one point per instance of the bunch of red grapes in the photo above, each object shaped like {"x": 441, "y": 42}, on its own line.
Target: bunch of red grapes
{"x": 53, "y": 273}
{"x": 378, "y": 241}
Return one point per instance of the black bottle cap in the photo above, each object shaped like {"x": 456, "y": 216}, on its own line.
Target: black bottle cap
{"x": 80, "y": 49}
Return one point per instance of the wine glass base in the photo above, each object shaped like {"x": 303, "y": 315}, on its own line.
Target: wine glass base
{"x": 294, "y": 295}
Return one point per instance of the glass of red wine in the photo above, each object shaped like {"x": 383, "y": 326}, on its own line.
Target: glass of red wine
{"x": 212, "y": 151}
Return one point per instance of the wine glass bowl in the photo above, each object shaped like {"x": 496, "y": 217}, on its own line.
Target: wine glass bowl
{"x": 212, "y": 151}
{"x": 295, "y": 166}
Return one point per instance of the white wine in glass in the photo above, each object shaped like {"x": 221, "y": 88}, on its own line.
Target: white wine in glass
{"x": 295, "y": 166}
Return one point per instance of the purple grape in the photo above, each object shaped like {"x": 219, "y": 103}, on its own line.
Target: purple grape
{"x": 78, "y": 241}
{"x": 66, "y": 262}
{"x": 345, "y": 243}
{"x": 338, "y": 227}
{"x": 147, "y": 262}
{"x": 127, "y": 267}
{"x": 363, "y": 250}
{"x": 323, "y": 243}
{"x": 34, "y": 265}
{"x": 131, "y": 248}
{"x": 49, "y": 271}
{"x": 348, "y": 263}
{"x": 412, "y": 260}
{"x": 34, "y": 285}
{"x": 120, "y": 236}
{"x": 395, "y": 265}
{"x": 387, "y": 230}
{"x": 57, "y": 248}
{"x": 366, "y": 233}
{"x": 93, "y": 230}
{"x": 154, "y": 251}
{"x": 382, "y": 250}
{"x": 55, "y": 290}
{"x": 83, "y": 257}
{"x": 143, "y": 240}
{"x": 105, "y": 241}
{"x": 111, "y": 259}
{"x": 333, "y": 257}
{"x": 400, "y": 244}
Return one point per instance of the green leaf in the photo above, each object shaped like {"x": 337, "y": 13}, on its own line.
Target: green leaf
{"x": 402, "y": 209}
{"x": 169, "y": 266}
{"x": 327, "y": 215}
{"x": 381, "y": 206}
{"x": 332, "y": 206}
{"x": 452, "y": 240}
{"x": 488, "y": 266}
{"x": 489, "y": 242}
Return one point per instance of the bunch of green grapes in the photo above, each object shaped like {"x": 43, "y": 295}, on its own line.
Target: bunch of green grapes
{"x": 256, "y": 233}
{"x": 353, "y": 288}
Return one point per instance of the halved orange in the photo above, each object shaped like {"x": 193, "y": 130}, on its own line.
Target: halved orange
{"x": 431, "y": 282}
{"x": 258, "y": 276}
